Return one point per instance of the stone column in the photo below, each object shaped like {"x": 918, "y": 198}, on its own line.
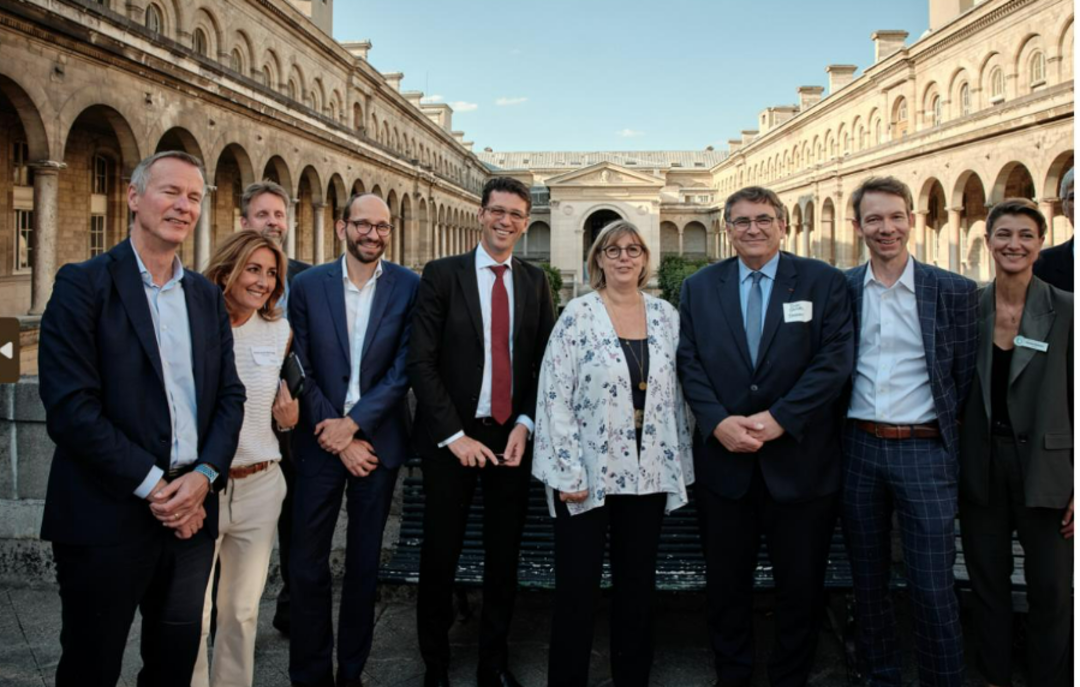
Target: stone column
{"x": 290, "y": 238}
{"x": 806, "y": 228}
{"x": 921, "y": 251}
{"x": 680, "y": 241}
{"x": 954, "y": 238}
{"x": 320, "y": 233}
{"x": 1046, "y": 206}
{"x": 203, "y": 230}
{"x": 46, "y": 211}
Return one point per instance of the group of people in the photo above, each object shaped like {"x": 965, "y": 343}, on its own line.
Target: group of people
{"x": 784, "y": 390}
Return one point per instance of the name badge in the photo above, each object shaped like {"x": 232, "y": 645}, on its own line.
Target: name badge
{"x": 264, "y": 355}
{"x": 799, "y": 311}
{"x": 1024, "y": 342}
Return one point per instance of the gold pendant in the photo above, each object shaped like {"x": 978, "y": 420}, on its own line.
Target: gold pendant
{"x": 643, "y": 385}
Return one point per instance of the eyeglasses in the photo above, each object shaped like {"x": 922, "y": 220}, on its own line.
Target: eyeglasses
{"x": 634, "y": 250}
{"x": 763, "y": 222}
{"x": 498, "y": 213}
{"x": 364, "y": 227}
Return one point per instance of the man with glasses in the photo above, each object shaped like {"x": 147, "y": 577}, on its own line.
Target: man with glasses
{"x": 765, "y": 351}
{"x": 351, "y": 320}
{"x": 482, "y": 321}
{"x": 901, "y": 442}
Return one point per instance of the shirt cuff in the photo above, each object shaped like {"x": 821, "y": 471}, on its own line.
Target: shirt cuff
{"x": 152, "y": 478}
{"x": 524, "y": 420}
{"x": 446, "y": 442}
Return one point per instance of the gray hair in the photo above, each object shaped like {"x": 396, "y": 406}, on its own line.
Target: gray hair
{"x": 140, "y": 178}
{"x": 1066, "y": 186}
{"x": 257, "y": 189}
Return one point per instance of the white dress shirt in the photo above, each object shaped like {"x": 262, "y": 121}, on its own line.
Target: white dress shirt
{"x": 357, "y": 313}
{"x": 485, "y": 282}
{"x": 891, "y": 383}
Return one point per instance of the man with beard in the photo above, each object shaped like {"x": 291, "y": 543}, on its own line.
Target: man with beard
{"x": 351, "y": 320}
{"x": 264, "y": 209}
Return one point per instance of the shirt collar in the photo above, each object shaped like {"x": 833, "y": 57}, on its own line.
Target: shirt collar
{"x": 484, "y": 259}
{"x": 148, "y": 279}
{"x": 345, "y": 271}
{"x": 768, "y": 269}
{"x": 907, "y": 278}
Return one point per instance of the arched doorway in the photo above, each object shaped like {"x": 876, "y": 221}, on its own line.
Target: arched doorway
{"x": 594, "y": 223}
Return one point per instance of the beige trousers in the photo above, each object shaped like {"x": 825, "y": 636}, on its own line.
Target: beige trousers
{"x": 247, "y": 525}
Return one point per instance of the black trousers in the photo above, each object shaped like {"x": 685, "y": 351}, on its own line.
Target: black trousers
{"x": 448, "y": 492}
{"x": 100, "y": 588}
{"x": 634, "y": 523}
{"x": 285, "y": 527}
{"x": 1048, "y": 568}
{"x": 797, "y": 536}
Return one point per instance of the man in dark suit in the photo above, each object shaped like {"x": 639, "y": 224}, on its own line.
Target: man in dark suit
{"x": 1055, "y": 265}
{"x": 901, "y": 443}
{"x": 144, "y": 404}
{"x": 264, "y": 209}
{"x": 765, "y": 351}
{"x": 351, "y": 320}
{"x": 482, "y": 321}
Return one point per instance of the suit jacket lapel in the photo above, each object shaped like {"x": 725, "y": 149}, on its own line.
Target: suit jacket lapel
{"x": 984, "y": 355}
{"x": 856, "y": 285}
{"x": 383, "y": 290}
{"x": 125, "y": 274}
{"x": 521, "y": 289}
{"x": 198, "y": 321}
{"x": 335, "y": 301}
{"x": 467, "y": 278}
{"x": 1035, "y": 324}
{"x": 926, "y": 290}
{"x": 782, "y": 291}
{"x": 731, "y": 307}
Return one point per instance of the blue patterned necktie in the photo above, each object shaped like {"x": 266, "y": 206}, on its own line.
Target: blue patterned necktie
{"x": 753, "y": 317}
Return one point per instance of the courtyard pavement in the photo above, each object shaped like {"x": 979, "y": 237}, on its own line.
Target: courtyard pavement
{"x": 30, "y": 648}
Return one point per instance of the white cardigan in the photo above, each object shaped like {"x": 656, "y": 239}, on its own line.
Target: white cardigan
{"x": 585, "y": 435}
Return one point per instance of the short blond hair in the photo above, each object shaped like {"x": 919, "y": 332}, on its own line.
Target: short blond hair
{"x": 609, "y": 235}
{"x": 230, "y": 259}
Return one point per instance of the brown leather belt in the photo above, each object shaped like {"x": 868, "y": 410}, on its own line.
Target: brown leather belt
{"x": 248, "y": 470}
{"x": 884, "y": 431}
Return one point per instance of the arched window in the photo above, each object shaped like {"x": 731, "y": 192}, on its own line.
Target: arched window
{"x": 153, "y": 19}
{"x": 236, "y": 61}
{"x": 1038, "y": 69}
{"x": 965, "y": 100}
{"x": 292, "y": 90}
{"x": 200, "y": 42}
{"x": 997, "y": 85}
{"x": 878, "y": 134}
{"x": 268, "y": 77}
{"x": 935, "y": 110}
{"x": 900, "y": 119}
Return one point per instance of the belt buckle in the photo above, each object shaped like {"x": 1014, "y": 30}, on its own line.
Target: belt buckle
{"x": 877, "y": 431}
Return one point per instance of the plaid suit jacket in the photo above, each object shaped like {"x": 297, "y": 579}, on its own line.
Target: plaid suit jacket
{"x": 948, "y": 313}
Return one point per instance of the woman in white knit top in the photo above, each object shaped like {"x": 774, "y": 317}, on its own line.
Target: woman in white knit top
{"x": 250, "y": 270}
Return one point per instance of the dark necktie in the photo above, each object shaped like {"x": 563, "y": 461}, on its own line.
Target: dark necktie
{"x": 753, "y": 317}
{"x": 500, "y": 348}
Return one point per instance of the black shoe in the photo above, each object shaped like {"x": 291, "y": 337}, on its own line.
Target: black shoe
{"x": 496, "y": 678}
{"x": 436, "y": 677}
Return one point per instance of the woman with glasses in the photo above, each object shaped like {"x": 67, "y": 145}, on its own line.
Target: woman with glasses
{"x": 250, "y": 270}
{"x": 1016, "y": 455}
{"x": 613, "y": 449}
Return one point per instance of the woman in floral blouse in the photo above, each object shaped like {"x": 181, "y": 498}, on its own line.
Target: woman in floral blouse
{"x": 613, "y": 448}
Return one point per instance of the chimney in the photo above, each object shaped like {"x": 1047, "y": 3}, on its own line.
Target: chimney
{"x": 459, "y": 136}
{"x": 393, "y": 79}
{"x": 734, "y": 144}
{"x": 886, "y": 43}
{"x": 809, "y": 96}
{"x": 944, "y": 11}
{"x": 358, "y": 49}
{"x": 414, "y": 97}
{"x": 840, "y": 75}
{"x": 748, "y": 136}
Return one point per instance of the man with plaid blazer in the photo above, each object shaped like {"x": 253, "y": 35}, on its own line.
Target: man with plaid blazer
{"x": 915, "y": 348}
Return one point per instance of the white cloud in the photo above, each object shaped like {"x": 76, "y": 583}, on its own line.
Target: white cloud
{"x": 432, "y": 99}
{"x": 462, "y": 106}
{"x": 502, "y": 102}
{"x": 630, "y": 133}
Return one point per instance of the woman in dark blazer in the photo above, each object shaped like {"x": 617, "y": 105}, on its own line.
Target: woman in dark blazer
{"x": 1016, "y": 456}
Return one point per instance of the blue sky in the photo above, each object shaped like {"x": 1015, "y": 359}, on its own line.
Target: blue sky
{"x": 610, "y": 75}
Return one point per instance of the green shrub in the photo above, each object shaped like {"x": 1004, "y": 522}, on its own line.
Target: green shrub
{"x": 554, "y": 278}
{"x": 673, "y": 270}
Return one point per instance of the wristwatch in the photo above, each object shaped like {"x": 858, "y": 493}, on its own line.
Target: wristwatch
{"x": 208, "y": 472}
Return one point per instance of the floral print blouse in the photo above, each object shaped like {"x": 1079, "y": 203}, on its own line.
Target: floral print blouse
{"x": 585, "y": 435}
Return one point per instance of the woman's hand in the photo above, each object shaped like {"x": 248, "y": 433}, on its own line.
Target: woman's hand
{"x": 286, "y": 409}
{"x": 573, "y": 496}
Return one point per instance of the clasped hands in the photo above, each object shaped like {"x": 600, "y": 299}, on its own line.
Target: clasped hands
{"x": 741, "y": 434}
{"x": 471, "y": 453}
{"x": 338, "y": 436}
{"x": 178, "y": 505}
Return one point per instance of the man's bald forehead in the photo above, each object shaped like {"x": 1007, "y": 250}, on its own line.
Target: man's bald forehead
{"x": 367, "y": 203}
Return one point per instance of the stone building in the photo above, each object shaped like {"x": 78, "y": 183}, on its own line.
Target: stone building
{"x": 255, "y": 88}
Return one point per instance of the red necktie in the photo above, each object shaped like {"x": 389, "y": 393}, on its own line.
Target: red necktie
{"x": 500, "y": 348}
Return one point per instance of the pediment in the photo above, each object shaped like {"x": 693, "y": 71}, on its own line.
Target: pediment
{"x": 606, "y": 174}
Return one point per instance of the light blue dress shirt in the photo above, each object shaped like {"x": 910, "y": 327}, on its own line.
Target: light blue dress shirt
{"x": 768, "y": 270}
{"x": 173, "y": 333}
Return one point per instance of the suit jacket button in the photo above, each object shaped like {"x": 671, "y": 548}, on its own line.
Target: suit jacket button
{"x": 753, "y": 387}
{"x": 345, "y": 379}
{"x": 475, "y": 398}
{"x": 163, "y": 441}
{"x": 1022, "y": 438}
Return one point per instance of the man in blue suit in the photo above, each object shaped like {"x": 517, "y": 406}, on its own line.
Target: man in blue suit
{"x": 915, "y": 342}
{"x": 144, "y": 404}
{"x": 765, "y": 351}
{"x": 351, "y": 320}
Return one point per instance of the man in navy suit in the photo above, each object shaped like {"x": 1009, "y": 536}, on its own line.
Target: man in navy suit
{"x": 915, "y": 348}
{"x": 351, "y": 320}
{"x": 764, "y": 353}
{"x": 143, "y": 401}
{"x": 1055, "y": 265}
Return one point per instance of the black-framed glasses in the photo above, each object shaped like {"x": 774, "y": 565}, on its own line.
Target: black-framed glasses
{"x": 762, "y": 222}
{"x": 498, "y": 213}
{"x": 364, "y": 227}
{"x": 634, "y": 250}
